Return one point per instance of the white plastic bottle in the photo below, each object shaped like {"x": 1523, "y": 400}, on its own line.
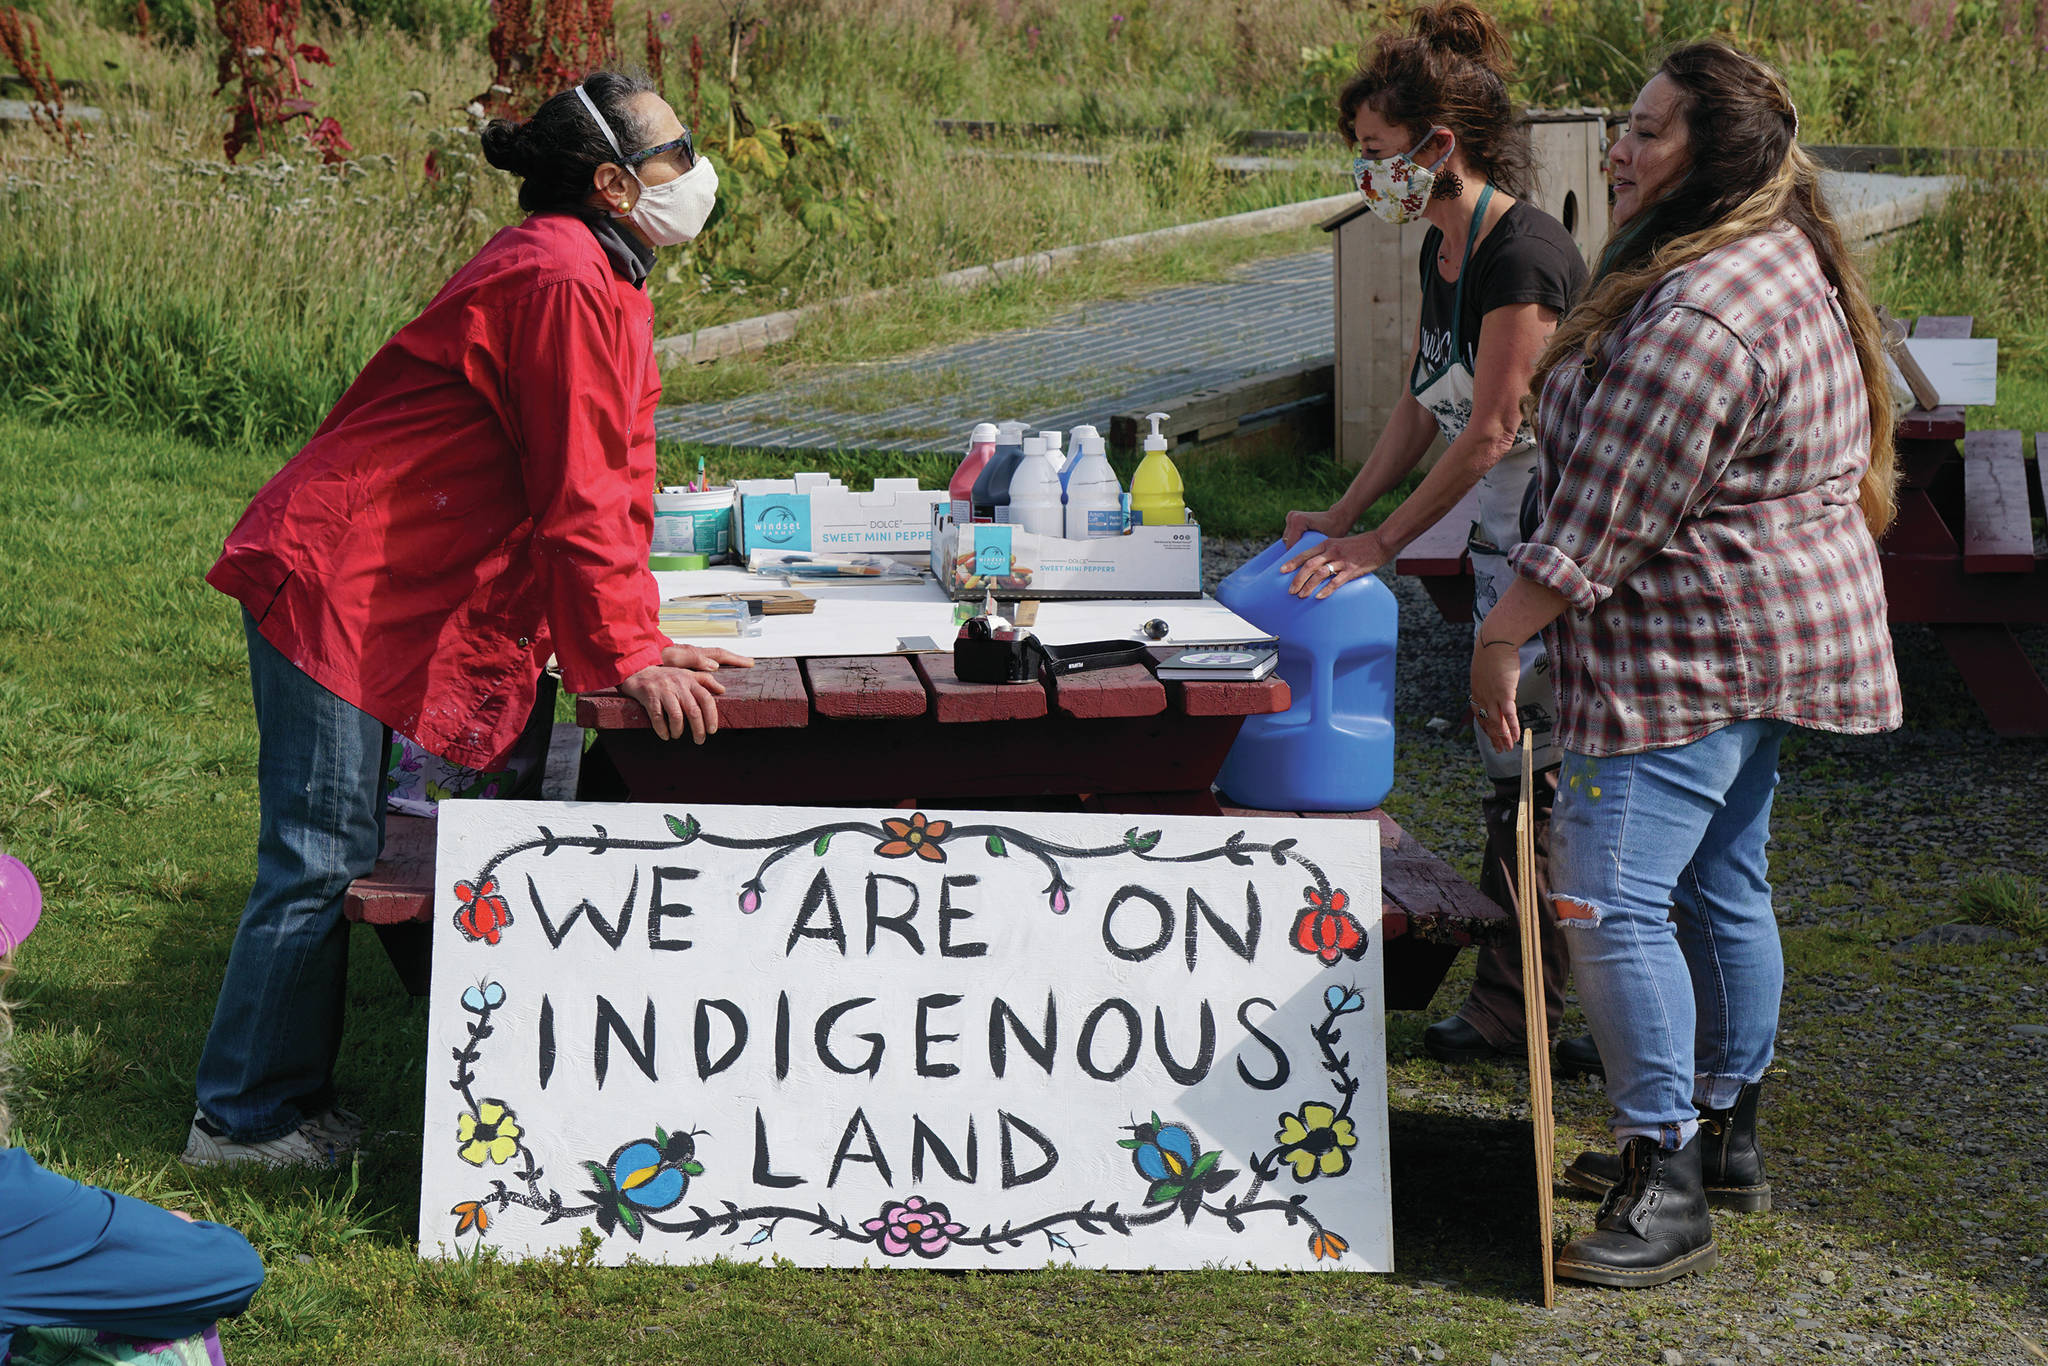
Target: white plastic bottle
{"x": 1035, "y": 492}
{"x": 1082, "y": 433}
{"x": 1053, "y": 452}
{"x": 1095, "y": 504}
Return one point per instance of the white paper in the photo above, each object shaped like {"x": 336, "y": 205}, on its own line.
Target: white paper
{"x": 762, "y": 1032}
{"x": 1963, "y": 371}
{"x": 869, "y": 619}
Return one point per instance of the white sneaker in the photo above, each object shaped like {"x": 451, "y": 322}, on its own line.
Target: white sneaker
{"x": 342, "y": 1128}
{"x": 305, "y": 1146}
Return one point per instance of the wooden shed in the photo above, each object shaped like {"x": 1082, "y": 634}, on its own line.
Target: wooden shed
{"x": 1379, "y": 294}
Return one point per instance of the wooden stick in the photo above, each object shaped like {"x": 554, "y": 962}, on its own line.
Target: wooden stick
{"x": 1925, "y": 395}
{"x": 1536, "y": 1023}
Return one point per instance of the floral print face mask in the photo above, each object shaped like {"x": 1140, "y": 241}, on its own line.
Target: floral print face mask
{"x": 1396, "y": 188}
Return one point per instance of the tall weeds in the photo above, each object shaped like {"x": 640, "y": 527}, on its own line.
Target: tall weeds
{"x": 146, "y": 283}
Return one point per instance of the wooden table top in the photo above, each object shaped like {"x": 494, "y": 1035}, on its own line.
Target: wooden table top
{"x": 788, "y": 693}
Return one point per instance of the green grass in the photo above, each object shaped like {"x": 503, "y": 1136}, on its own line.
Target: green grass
{"x": 2007, "y": 901}
{"x": 1984, "y": 253}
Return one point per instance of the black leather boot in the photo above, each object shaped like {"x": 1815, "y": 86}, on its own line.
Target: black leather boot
{"x": 1652, "y": 1228}
{"x": 1731, "y": 1162}
{"x": 1456, "y": 1041}
{"x": 1578, "y": 1057}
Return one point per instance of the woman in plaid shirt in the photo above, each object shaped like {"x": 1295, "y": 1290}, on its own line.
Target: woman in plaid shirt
{"x": 1716, "y": 431}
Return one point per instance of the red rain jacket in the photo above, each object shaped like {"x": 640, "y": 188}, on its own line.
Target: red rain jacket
{"x": 481, "y": 497}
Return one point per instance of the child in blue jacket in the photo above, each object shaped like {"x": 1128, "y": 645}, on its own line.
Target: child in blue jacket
{"x": 74, "y": 1256}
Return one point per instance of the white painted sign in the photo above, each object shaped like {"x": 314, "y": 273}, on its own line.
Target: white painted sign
{"x": 906, "y": 1038}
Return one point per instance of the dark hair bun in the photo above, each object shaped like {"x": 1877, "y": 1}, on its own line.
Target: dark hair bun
{"x": 1462, "y": 29}
{"x": 506, "y": 146}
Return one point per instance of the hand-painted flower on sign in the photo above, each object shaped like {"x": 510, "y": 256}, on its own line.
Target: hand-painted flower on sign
{"x": 915, "y": 836}
{"x": 648, "y": 1174}
{"x": 471, "y": 1217}
{"x": 1316, "y": 1142}
{"x": 1169, "y": 1156}
{"x": 489, "y": 1134}
{"x": 1324, "y": 1243}
{"x": 1327, "y": 930}
{"x": 916, "y": 1225}
{"x": 654, "y": 1175}
{"x": 483, "y": 913}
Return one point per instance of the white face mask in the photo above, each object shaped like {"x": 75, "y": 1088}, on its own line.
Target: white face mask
{"x": 673, "y": 212}
{"x": 1396, "y": 188}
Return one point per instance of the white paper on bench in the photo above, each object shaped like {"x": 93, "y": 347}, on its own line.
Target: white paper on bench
{"x": 870, "y": 620}
{"x": 1964, "y": 371}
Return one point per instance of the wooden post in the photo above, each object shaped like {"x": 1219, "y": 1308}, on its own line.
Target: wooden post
{"x": 1536, "y": 1025}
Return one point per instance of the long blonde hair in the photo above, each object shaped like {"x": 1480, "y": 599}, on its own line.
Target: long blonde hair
{"x": 1748, "y": 176}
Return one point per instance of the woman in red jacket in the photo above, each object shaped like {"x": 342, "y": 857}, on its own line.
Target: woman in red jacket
{"x": 480, "y": 499}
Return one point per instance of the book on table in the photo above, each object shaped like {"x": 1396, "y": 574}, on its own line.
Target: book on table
{"x": 1220, "y": 664}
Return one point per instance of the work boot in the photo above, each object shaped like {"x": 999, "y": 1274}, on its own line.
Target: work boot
{"x": 1455, "y": 1041}
{"x": 1652, "y": 1228}
{"x": 1731, "y": 1162}
{"x": 1578, "y": 1057}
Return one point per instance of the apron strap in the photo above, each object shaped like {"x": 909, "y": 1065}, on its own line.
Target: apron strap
{"x": 1464, "y": 269}
{"x": 1451, "y": 360}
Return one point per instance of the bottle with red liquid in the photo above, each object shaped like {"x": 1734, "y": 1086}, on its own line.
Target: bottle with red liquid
{"x": 981, "y": 445}
{"x": 992, "y": 485}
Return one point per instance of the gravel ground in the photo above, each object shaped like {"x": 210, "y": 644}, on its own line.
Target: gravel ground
{"x": 1906, "y": 1119}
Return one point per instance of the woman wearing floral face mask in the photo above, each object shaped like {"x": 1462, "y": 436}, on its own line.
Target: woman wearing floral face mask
{"x": 480, "y": 499}
{"x": 1438, "y": 139}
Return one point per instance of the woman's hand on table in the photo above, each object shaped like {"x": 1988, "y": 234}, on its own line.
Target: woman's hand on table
{"x": 1334, "y": 562}
{"x": 703, "y": 658}
{"x": 1496, "y": 677}
{"x": 678, "y": 701}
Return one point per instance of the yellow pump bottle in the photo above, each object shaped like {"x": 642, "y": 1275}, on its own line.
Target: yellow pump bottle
{"x": 1158, "y": 498}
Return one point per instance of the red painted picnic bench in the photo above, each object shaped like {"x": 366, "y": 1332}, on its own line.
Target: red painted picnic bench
{"x": 1960, "y": 558}
{"x": 893, "y": 730}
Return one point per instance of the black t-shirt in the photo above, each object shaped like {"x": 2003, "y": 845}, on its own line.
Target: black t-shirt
{"x": 1528, "y": 258}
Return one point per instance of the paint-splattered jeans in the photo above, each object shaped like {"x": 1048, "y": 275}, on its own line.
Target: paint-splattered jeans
{"x": 1658, "y": 867}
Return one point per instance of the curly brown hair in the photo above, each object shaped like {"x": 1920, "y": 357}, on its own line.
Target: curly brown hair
{"x": 1449, "y": 70}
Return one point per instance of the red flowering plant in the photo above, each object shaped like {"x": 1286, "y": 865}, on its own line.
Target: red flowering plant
{"x": 260, "y": 57}
{"x": 531, "y": 61}
{"x": 23, "y": 45}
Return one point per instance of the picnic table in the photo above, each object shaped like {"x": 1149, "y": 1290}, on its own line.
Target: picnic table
{"x": 1960, "y": 559}
{"x": 904, "y": 731}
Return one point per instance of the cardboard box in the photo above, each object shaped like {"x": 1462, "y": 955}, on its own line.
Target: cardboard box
{"x": 1144, "y": 562}
{"x": 817, "y": 512}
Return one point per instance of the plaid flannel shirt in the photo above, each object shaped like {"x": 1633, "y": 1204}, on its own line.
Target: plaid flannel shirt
{"x": 1701, "y": 514}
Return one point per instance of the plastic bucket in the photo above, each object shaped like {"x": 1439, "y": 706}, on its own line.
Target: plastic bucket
{"x": 687, "y": 523}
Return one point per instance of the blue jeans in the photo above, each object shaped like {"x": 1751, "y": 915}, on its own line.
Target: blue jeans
{"x": 1658, "y": 866}
{"x": 269, "y": 1059}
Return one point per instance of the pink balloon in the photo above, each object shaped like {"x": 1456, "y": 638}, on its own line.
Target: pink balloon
{"x": 21, "y": 902}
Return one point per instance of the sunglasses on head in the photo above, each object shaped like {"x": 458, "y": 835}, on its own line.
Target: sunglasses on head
{"x": 689, "y": 152}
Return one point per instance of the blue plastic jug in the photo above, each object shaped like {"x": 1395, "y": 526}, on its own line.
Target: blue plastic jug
{"x": 1333, "y": 750}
